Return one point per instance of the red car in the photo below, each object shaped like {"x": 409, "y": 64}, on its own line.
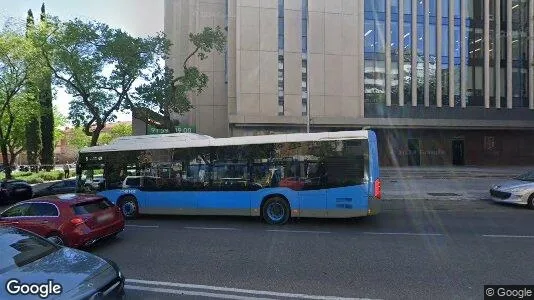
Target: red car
{"x": 73, "y": 220}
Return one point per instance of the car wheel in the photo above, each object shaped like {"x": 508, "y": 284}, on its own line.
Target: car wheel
{"x": 530, "y": 203}
{"x": 56, "y": 239}
{"x": 276, "y": 211}
{"x": 129, "y": 208}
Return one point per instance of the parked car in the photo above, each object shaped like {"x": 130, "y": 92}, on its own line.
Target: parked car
{"x": 12, "y": 191}
{"x": 96, "y": 183}
{"x": 67, "y": 186}
{"x": 135, "y": 181}
{"x": 28, "y": 259}
{"x": 72, "y": 220}
{"x": 518, "y": 190}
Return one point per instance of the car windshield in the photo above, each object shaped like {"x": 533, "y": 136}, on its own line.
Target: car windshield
{"x": 529, "y": 176}
{"x": 19, "y": 248}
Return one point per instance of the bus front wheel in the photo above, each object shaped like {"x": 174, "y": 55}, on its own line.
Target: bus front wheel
{"x": 276, "y": 211}
{"x": 128, "y": 206}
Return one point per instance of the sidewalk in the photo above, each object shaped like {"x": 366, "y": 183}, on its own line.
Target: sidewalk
{"x": 446, "y": 172}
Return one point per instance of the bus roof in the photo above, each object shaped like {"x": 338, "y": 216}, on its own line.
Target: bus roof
{"x": 191, "y": 140}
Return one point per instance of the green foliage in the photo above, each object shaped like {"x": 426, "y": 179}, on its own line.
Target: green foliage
{"x": 98, "y": 65}
{"x": 59, "y": 123}
{"x": 165, "y": 93}
{"x": 78, "y": 138}
{"x": 118, "y": 130}
{"x": 39, "y": 177}
{"x": 19, "y": 65}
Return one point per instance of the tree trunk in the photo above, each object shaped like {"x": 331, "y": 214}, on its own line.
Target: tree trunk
{"x": 47, "y": 121}
{"x": 5, "y": 159}
{"x": 95, "y": 135}
{"x": 33, "y": 141}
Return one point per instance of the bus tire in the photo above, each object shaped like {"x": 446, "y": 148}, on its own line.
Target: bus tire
{"x": 530, "y": 203}
{"x": 129, "y": 207}
{"x": 276, "y": 210}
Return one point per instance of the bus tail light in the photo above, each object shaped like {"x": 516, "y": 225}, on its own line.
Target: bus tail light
{"x": 378, "y": 189}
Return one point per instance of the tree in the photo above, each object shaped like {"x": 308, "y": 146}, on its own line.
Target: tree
{"x": 18, "y": 67}
{"x": 24, "y": 108}
{"x": 166, "y": 93}
{"x": 78, "y": 139}
{"x": 98, "y": 65}
{"x": 47, "y": 111}
{"x": 116, "y": 131}
{"x": 33, "y": 129}
{"x": 59, "y": 123}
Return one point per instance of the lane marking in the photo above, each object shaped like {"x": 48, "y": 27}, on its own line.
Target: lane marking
{"x": 191, "y": 293}
{"x": 235, "y": 290}
{"x": 403, "y": 233}
{"x": 298, "y": 231}
{"x": 142, "y": 226}
{"x": 508, "y": 236}
{"x": 211, "y": 228}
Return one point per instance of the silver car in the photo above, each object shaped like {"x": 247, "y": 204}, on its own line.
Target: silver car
{"x": 519, "y": 190}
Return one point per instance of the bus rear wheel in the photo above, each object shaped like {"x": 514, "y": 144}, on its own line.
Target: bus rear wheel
{"x": 276, "y": 211}
{"x": 128, "y": 206}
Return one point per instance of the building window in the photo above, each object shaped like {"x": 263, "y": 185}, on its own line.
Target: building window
{"x": 305, "y": 57}
{"x": 374, "y": 52}
{"x": 280, "y": 57}
{"x": 226, "y": 44}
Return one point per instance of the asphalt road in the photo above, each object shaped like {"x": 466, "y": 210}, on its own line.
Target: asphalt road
{"x": 415, "y": 249}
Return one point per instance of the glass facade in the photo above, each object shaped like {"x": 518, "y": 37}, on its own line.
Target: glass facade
{"x": 449, "y": 45}
{"x": 374, "y": 51}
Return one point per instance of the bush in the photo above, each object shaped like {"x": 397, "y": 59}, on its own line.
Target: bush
{"x": 23, "y": 174}
{"x": 52, "y": 175}
{"x": 34, "y": 179}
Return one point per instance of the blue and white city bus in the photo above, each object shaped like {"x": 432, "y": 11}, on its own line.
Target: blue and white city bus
{"x": 276, "y": 177}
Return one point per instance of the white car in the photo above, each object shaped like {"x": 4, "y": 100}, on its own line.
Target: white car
{"x": 135, "y": 181}
{"x": 519, "y": 190}
{"x": 96, "y": 182}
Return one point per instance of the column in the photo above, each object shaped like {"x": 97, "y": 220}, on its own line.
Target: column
{"x": 486, "y": 55}
{"x": 401, "y": 52}
{"x": 531, "y": 55}
{"x": 439, "y": 101}
{"x": 497, "y": 53}
{"x": 388, "y": 53}
{"x": 414, "y": 52}
{"x": 509, "y": 53}
{"x": 463, "y": 69}
{"x": 451, "y": 53}
{"x": 427, "y": 53}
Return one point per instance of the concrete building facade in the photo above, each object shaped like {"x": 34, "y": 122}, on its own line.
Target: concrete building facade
{"x": 441, "y": 81}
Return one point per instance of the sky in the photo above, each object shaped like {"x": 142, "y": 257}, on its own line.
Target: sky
{"x": 137, "y": 17}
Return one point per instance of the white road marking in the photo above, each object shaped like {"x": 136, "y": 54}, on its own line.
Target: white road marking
{"x": 508, "y": 236}
{"x": 404, "y": 233}
{"x": 233, "y": 290}
{"x": 142, "y": 226}
{"x": 211, "y": 228}
{"x": 298, "y": 231}
{"x": 191, "y": 293}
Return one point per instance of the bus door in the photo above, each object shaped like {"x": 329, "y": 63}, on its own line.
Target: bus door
{"x": 313, "y": 194}
{"x": 228, "y": 190}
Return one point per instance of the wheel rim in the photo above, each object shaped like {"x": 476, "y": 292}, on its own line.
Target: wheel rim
{"x": 128, "y": 208}
{"x": 56, "y": 239}
{"x": 275, "y": 211}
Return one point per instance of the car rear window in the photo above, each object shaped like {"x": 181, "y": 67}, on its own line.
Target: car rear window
{"x": 92, "y": 207}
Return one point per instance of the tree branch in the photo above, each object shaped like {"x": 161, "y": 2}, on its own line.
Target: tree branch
{"x": 87, "y": 127}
